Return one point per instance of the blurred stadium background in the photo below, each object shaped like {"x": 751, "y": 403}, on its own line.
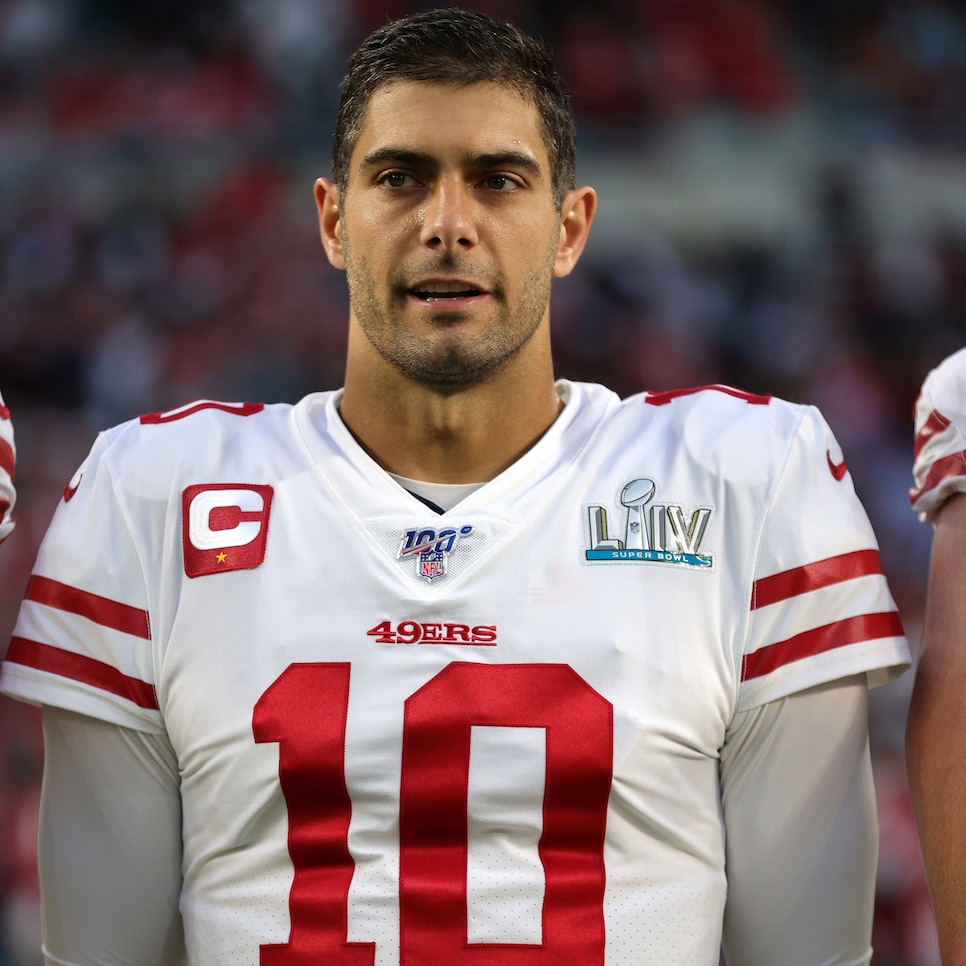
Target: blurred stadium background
{"x": 783, "y": 208}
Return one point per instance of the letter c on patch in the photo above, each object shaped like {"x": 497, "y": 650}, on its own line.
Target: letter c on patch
{"x": 225, "y": 526}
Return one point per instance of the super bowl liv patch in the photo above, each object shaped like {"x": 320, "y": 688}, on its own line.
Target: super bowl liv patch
{"x": 663, "y": 533}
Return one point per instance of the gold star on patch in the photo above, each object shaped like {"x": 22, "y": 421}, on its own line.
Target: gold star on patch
{"x": 221, "y": 557}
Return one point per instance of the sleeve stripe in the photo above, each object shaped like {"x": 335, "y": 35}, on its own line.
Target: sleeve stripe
{"x": 932, "y": 427}
{"x": 851, "y": 630}
{"x": 8, "y": 461}
{"x": 77, "y": 667}
{"x": 100, "y": 610}
{"x": 941, "y": 469}
{"x": 813, "y": 576}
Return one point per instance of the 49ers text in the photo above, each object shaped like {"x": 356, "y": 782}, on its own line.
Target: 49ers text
{"x": 420, "y": 632}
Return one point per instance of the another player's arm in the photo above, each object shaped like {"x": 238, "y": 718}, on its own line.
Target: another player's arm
{"x": 109, "y": 845}
{"x": 799, "y": 806}
{"x": 8, "y": 460}
{"x": 936, "y": 731}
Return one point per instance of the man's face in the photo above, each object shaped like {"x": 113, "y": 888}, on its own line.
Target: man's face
{"x": 447, "y": 229}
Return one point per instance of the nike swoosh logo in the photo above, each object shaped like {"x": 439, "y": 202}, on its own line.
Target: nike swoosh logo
{"x": 838, "y": 469}
{"x": 70, "y": 489}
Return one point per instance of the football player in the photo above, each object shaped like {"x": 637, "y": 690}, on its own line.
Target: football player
{"x": 937, "y": 714}
{"x": 460, "y": 663}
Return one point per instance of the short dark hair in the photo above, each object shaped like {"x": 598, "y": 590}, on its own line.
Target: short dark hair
{"x": 454, "y": 46}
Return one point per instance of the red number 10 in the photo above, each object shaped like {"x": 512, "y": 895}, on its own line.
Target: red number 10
{"x": 305, "y": 712}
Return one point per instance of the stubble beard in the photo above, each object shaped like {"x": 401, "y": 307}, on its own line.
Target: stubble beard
{"x": 450, "y": 358}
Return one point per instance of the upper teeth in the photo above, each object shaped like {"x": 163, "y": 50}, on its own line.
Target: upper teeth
{"x": 443, "y": 288}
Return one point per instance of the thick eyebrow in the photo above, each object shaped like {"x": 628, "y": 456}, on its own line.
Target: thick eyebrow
{"x": 507, "y": 159}
{"x": 486, "y": 161}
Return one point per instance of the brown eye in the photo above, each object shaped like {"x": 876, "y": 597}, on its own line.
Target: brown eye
{"x": 395, "y": 179}
{"x": 499, "y": 182}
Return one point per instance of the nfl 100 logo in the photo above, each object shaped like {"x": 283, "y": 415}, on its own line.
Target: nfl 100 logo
{"x": 431, "y": 549}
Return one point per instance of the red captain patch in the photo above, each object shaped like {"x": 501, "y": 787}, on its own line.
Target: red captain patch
{"x": 224, "y": 526}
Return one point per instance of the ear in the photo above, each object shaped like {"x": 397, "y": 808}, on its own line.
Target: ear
{"x": 576, "y": 216}
{"x": 330, "y": 220}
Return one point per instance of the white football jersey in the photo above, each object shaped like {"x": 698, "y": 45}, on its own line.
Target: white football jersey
{"x": 939, "y": 466}
{"x": 405, "y": 736}
{"x": 8, "y": 462}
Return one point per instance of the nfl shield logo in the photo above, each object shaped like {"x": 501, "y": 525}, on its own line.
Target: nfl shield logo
{"x": 432, "y": 564}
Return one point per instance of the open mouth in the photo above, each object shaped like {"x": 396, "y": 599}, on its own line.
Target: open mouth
{"x": 445, "y": 291}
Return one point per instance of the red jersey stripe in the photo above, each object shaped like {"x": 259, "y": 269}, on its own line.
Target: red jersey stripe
{"x": 100, "y": 610}
{"x": 851, "y": 630}
{"x": 8, "y": 461}
{"x": 236, "y": 408}
{"x": 821, "y": 573}
{"x": 942, "y": 469}
{"x": 933, "y": 426}
{"x": 77, "y": 667}
{"x": 669, "y": 395}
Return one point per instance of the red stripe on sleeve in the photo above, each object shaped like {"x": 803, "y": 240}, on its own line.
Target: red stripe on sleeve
{"x": 942, "y": 469}
{"x": 86, "y": 670}
{"x": 851, "y": 630}
{"x": 8, "y": 461}
{"x": 821, "y": 573}
{"x": 933, "y": 426}
{"x": 101, "y": 610}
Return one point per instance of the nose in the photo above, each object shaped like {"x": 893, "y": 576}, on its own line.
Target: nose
{"x": 449, "y": 220}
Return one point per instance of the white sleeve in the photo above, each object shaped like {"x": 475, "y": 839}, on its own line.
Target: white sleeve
{"x": 83, "y": 640}
{"x": 802, "y": 833}
{"x": 8, "y": 462}
{"x": 109, "y": 845}
{"x": 821, "y": 607}
{"x": 939, "y": 454}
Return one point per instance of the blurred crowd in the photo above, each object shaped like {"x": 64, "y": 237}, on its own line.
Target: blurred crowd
{"x": 783, "y": 208}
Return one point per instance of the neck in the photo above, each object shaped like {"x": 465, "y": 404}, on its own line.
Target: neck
{"x": 468, "y": 435}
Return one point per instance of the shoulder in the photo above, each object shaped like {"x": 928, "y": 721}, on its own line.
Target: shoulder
{"x": 205, "y": 440}
{"x": 944, "y": 391}
{"x": 718, "y": 420}
{"x": 951, "y": 372}
{"x": 717, "y": 439}
{"x": 197, "y": 426}
{"x": 939, "y": 453}
{"x": 729, "y": 402}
